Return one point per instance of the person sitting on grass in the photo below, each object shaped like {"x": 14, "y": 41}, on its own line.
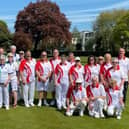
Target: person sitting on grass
{"x": 115, "y": 100}
{"x": 96, "y": 95}
{"x": 78, "y": 98}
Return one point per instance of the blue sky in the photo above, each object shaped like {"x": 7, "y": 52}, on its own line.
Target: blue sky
{"x": 81, "y": 13}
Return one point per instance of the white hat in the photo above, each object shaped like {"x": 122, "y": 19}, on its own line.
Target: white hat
{"x": 77, "y": 58}
{"x": 79, "y": 80}
{"x": 2, "y": 57}
{"x": 10, "y": 54}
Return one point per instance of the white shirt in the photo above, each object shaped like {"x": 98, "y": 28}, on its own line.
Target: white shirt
{"x": 124, "y": 64}
{"x": 4, "y": 71}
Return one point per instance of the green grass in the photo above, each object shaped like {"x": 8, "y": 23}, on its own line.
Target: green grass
{"x": 50, "y": 118}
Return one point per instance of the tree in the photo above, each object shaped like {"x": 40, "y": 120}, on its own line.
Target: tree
{"x": 44, "y": 22}
{"x": 5, "y": 36}
{"x": 103, "y": 28}
{"x": 121, "y": 32}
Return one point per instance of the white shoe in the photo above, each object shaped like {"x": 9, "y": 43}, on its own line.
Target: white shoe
{"x": 68, "y": 113}
{"x": 118, "y": 117}
{"x": 7, "y": 107}
{"x": 59, "y": 108}
{"x": 81, "y": 113}
{"x": 27, "y": 105}
{"x": 32, "y": 104}
{"x": 91, "y": 113}
{"x": 45, "y": 103}
{"x": 40, "y": 103}
{"x": 96, "y": 115}
{"x": 102, "y": 115}
{"x": 52, "y": 103}
{"x": 64, "y": 106}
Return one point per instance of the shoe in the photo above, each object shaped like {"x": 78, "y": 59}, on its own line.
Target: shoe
{"x": 102, "y": 115}
{"x": 27, "y": 105}
{"x": 40, "y": 103}
{"x": 68, "y": 113}
{"x": 52, "y": 103}
{"x": 91, "y": 113}
{"x": 7, "y": 107}
{"x": 96, "y": 115}
{"x": 64, "y": 106}
{"x": 118, "y": 117}
{"x": 32, "y": 104}
{"x": 59, "y": 108}
{"x": 45, "y": 103}
{"x": 81, "y": 113}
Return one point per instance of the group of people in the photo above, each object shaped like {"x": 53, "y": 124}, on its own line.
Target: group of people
{"x": 100, "y": 85}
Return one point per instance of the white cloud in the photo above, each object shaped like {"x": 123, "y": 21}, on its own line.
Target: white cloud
{"x": 7, "y": 17}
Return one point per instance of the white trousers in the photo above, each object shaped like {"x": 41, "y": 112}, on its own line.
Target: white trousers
{"x": 28, "y": 92}
{"x": 4, "y": 95}
{"x": 117, "y": 108}
{"x": 96, "y": 106}
{"x": 61, "y": 91}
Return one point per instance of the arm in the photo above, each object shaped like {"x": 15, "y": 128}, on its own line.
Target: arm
{"x": 7, "y": 81}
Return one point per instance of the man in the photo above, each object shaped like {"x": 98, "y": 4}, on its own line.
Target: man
{"x": 104, "y": 68}
{"x": 43, "y": 72}
{"x": 1, "y": 51}
{"x": 71, "y": 59}
{"x": 15, "y": 55}
{"x": 27, "y": 73}
{"x": 54, "y": 61}
{"x": 78, "y": 98}
{"x": 96, "y": 95}
{"x": 124, "y": 64}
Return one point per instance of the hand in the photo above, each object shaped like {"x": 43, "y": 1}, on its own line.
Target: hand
{"x": 6, "y": 83}
{"x": 23, "y": 81}
{"x": 43, "y": 80}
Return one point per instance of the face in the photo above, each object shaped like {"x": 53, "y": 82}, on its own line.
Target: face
{"x": 122, "y": 52}
{"x": 78, "y": 85}
{"x": 28, "y": 55}
{"x": 77, "y": 62}
{"x": 10, "y": 58}
{"x": 94, "y": 80}
{"x": 56, "y": 53}
{"x": 21, "y": 55}
{"x": 101, "y": 61}
{"x": 115, "y": 63}
{"x": 44, "y": 55}
{"x": 108, "y": 58}
{"x": 2, "y": 61}
{"x": 63, "y": 59}
{"x": 1, "y": 51}
{"x": 71, "y": 56}
{"x": 13, "y": 50}
{"x": 92, "y": 61}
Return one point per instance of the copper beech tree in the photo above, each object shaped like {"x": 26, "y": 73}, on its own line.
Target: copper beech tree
{"x": 41, "y": 22}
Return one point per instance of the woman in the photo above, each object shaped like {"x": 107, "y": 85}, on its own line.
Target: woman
{"x": 115, "y": 100}
{"x": 27, "y": 73}
{"x": 4, "y": 83}
{"x": 43, "y": 72}
{"x": 13, "y": 66}
{"x": 91, "y": 69}
{"x": 61, "y": 82}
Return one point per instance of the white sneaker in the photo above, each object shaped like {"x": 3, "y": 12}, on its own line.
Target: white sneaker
{"x": 64, "y": 106}
{"x": 52, "y": 103}
{"x": 96, "y": 115}
{"x": 102, "y": 115}
{"x": 27, "y": 105}
{"x": 32, "y": 104}
{"x": 118, "y": 117}
{"x": 40, "y": 103}
{"x": 81, "y": 113}
{"x": 68, "y": 113}
{"x": 7, "y": 107}
{"x": 45, "y": 103}
{"x": 91, "y": 113}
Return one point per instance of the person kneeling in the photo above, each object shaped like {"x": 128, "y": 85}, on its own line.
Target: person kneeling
{"x": 78, "y": 98}
{"x": 115, "y": 100}
{"x": 96, "y": 95}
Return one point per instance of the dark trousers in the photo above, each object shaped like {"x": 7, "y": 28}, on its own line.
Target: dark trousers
{"x": 125, "y": 91}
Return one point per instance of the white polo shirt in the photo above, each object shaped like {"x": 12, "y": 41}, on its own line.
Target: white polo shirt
{"x": 4, "y": 71}
{"x": 124, "y": 64}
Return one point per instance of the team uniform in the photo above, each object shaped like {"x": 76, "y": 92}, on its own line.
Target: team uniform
{"x": 114, "y": 106}
{"x": 61, "y": 72}
{"x": 28, "y": 70}
{"x": 44, "y": 68}
{"x": 77, "y": 72}
{"x": 54, "y": 63}
{"x": 71, "y": 63}
{"x": 13, "y": 75}
{"x": 74, "y": 95}
{"x": 4, "y": 90}
{"x": 16, "y": 57}
{"x": 96, "y": 107}
{"x": 90, "y": 72}
{"x": 124, "y": 64}
{"x": 117, "y": 75}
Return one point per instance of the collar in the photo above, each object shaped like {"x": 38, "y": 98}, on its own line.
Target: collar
{"x": 97, "y": 86}
{"x": 115, "y": 88}
{"x": 78, "y": 66}
{"x": 63, "y": 64}
{"x": 120, "y": 58}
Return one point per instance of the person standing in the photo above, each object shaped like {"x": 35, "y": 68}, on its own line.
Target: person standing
{"x": 4, "y": 82}
{"x": 27, "y": 73}
{"x": 43, "y": 72}
{"x": 124, "y": 64}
